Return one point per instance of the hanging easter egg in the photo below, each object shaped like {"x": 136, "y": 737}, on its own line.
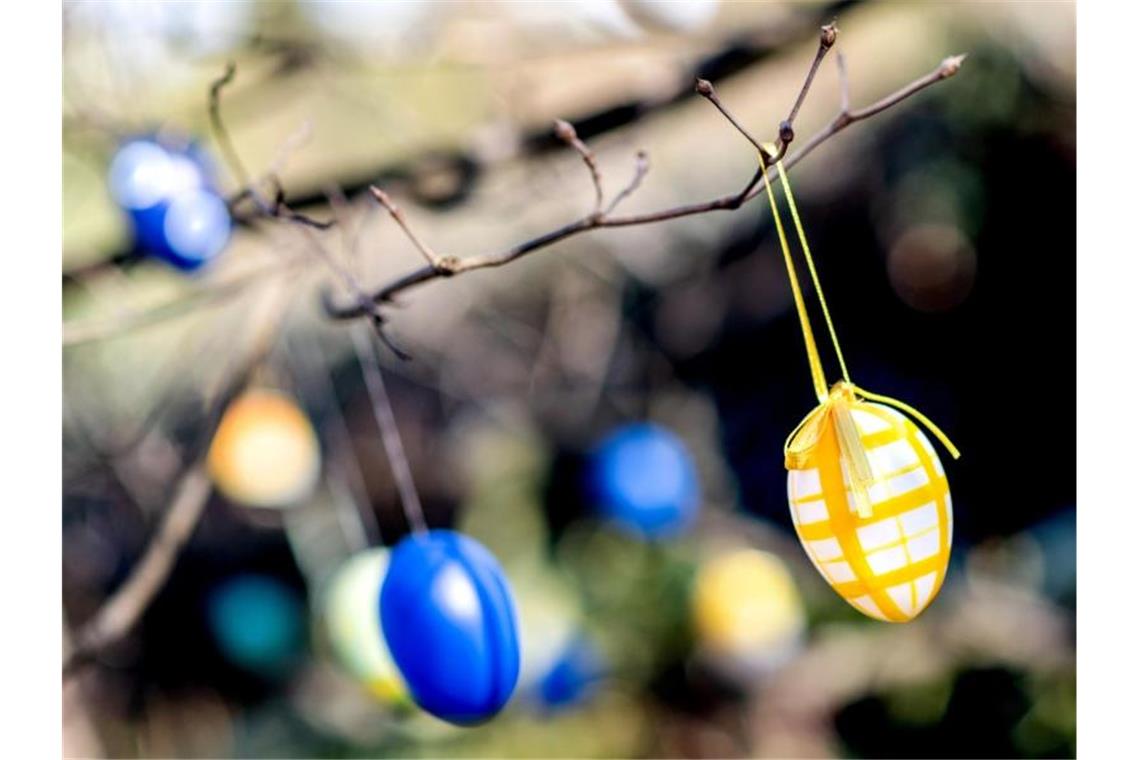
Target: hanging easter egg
{"x": 574, "y": 676}
{"x": 353, "y": 627}
{"x": 644, "y": 481}
{"x": 175, "y": 212}
{"x": 449, "y": 618}
{"x": 548, "y": 618}
{"x": 883, "y": 547}
{"x": 747, "y": 611}
{"x": 257, "y": 623}
{"x": 265, "y": 453}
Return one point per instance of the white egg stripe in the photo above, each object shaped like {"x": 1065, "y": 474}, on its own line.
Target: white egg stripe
{"x": 867, "y": 605}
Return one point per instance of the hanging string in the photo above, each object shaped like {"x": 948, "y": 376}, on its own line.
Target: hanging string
{"x": 817, "y": 377}
{"x": 834, "y": 408}
{"x": 353, "y": 511}
{"x": 364, "y": 341}
{"x": 811, "y": 268}
{"x": 942, "y": 437}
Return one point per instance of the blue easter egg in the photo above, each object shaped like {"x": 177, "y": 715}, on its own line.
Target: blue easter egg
{"x": 258, "y": 623}
{"x": 176, "y": 214}
{"x": 574, "y": 677}
{"x": 449, "y": 618}
{"x": 644, "y": 480}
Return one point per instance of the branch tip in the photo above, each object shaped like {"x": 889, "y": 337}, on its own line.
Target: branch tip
{"x": 564, "y": 130}
{"x": 383, "y": 198}
{"x": 787, "y": 134}
{"x": 704, "y": 87}
{"x": 828, "y": 35}
{"x": 950, "y": 66}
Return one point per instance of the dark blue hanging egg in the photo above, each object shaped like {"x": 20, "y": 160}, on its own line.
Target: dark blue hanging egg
{"x": 574, "y": 676}
{"x": 644, "y": 480}
{"x": 449, "y": 619}
{"x": 168, "y": 195}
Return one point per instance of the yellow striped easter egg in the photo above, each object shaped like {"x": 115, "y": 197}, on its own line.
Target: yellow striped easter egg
{"x": 890, "y": 564}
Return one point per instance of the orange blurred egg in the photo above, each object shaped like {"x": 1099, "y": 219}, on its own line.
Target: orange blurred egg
{"x": 265, "y": 452}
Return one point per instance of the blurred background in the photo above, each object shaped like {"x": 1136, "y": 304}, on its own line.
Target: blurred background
{"x": 944, "y": 231}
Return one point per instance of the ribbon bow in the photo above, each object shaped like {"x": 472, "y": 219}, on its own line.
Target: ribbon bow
{"x": 836, "y": 410}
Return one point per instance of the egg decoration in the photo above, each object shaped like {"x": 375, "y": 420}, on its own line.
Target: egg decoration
{"x": 353, "y": 626}
{"x": 574, "y": 676}
{"x": 257, "y": 623}
{"x": 265, "y": 452}
{"x": 175, "y": 212}
{"x": 449, "y": 617}
{"x": 548, "y": 618}
{"x": 883, "y": 547}
{"x": 747, "y": 612}
{"x": 644, "y": 481}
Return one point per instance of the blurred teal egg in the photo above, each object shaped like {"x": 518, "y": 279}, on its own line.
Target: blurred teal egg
{"x": 258, "y": 623}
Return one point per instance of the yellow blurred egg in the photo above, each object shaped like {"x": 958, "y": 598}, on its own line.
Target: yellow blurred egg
{"x": 746, "y": 609}
{"x": 891, "y": 563}
{"x": 265, "y": 453}
{"x": 352, "y": 619}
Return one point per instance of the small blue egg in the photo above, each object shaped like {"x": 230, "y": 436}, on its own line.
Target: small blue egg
{"x": 258, "y": 623}
{"x": 449, "y": 618}
{"x": 574, "y": 677}
{"x": 176, "y": 214}
{"x": 644, "y": 480}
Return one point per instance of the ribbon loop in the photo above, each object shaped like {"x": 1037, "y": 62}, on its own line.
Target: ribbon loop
{"x": 834, "y": 407}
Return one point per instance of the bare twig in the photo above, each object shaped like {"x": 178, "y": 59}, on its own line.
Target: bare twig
{"x": 845, "y": 118}
{"x": 640, "y": 169}
{"x": 844, "y": 84}
{"x": 277, "y": 209}
{"x": 565, "y": 132}
{"x": 707, "y": 91}
{"x": 827, "y": 36}
{"x": 433, "y": 258}
{"x": 221, "y": 134}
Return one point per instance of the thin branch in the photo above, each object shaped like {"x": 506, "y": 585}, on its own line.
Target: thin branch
{"x": 277, "y": 209}
{"x": 948, "y": 68}
{"x": 844, "y": 84}
{"x": 827, "y": 36}
{"x": 565, "y": 132}
{"x": 221, "y": 134}
{"x": 433, "y": 258}
{"x": 707, "y": 91}
{"x": 640, "y": 169}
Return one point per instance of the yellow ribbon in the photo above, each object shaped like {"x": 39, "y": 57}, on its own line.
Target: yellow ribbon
{"x": 835, "y": 406}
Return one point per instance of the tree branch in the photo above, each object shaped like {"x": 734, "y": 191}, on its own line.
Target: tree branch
{"x": 277, "y": 209}
{"x": 845, "y": 118}
{"x": 565, "y": 132}
{"x": 396, "y": 213}
{"x": 640, "y": 169}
